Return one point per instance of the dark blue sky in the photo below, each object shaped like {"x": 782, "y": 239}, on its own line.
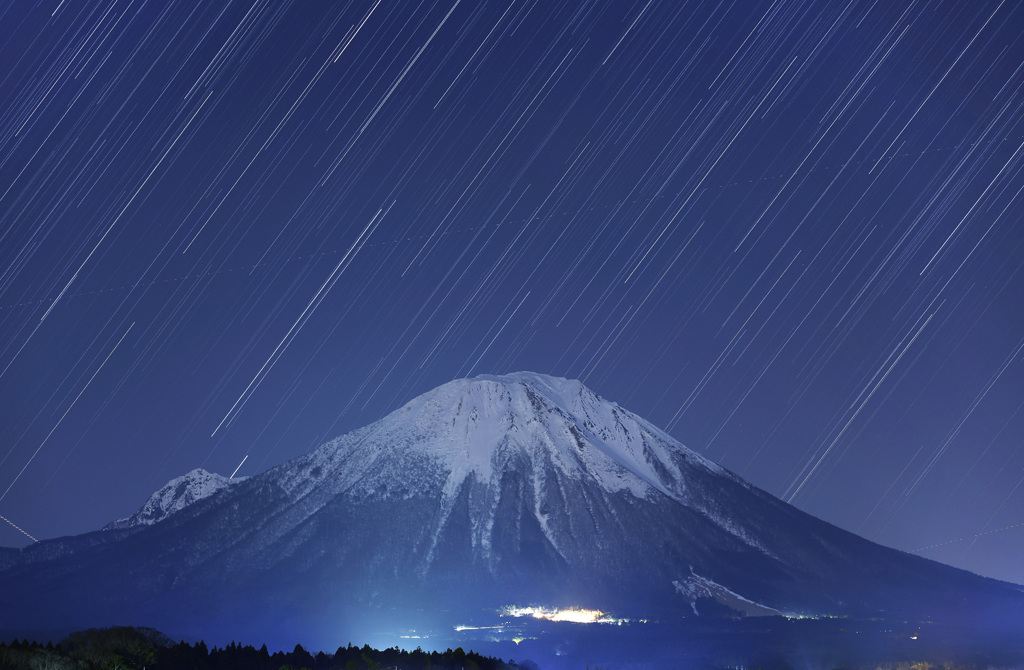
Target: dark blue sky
{"x": 787, "y": 232}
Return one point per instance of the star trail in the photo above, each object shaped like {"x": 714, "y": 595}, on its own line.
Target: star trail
{"x": 787, "y": 232}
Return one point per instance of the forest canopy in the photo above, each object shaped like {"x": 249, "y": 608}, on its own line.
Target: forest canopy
{"x": 131, "y": 648}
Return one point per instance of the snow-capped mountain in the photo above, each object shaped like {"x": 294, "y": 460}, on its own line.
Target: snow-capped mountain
{"x": 520, "y": 489}
{"x": 175, "y": 496}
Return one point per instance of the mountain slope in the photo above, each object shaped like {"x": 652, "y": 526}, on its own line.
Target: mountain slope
{"x": 483, "y": 493}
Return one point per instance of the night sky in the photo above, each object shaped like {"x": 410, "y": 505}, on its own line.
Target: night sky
{"x": 787, "y": 232}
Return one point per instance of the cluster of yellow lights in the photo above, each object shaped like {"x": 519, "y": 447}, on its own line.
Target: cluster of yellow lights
{"x": 572, "y": 615}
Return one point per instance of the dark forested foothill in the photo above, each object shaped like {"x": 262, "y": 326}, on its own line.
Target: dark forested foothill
{"x": 128, "y": 648}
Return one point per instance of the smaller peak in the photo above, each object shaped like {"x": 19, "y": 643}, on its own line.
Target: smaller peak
{"x": 197, "y": 473}
{"x": 176, "y": 495}
{"x": 198, "y": 481}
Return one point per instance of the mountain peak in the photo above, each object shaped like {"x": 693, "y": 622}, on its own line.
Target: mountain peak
{"x": 479, "y": 495}
{"x": 477, "y": 425}
{"x": 558, "y": 386}
{"x": 174, "y": 496}
{"x": 547, "y": 443}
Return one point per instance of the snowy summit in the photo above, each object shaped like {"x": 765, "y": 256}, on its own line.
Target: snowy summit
{"x": 175, "y": 496}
